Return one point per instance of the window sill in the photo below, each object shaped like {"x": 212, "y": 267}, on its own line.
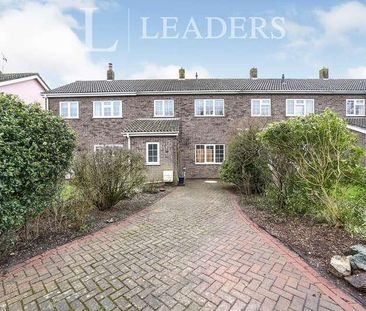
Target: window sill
{"x": 261, "y": 116}
{"x": 152, "y": 164}
{"x": 66, "y": 118}
{"x": 107, "y": 117}
{"x": 355, "y": 115}
{"x": 164, "y": 116}
{"x": 209, "y": 116}
{"x": 297, "y": 116}
{"x": 208, "y": 163}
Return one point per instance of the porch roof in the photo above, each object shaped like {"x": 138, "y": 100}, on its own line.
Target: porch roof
{"x": 359, "y": 122}
{"x": 146, "y": 127}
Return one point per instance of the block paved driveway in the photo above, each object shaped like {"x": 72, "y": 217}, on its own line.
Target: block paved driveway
{"x": 190, "y": 251}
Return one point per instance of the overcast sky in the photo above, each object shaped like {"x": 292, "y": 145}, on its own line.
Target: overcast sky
{"x": 48, "y": 36}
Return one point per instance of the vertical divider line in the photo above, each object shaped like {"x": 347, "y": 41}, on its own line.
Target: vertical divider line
{"x": 128, "y": 29}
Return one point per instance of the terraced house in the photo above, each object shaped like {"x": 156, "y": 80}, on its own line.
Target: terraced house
{"x": 185, "y": 125}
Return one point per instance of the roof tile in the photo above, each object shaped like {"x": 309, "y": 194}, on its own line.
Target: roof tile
{"x": 244, "y": 85}
{"x": 14, "y": 76}
{"x": 153, "y": 126}
{"x": 360, "y": 122}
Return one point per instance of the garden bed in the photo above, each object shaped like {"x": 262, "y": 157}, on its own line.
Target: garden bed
{"x": 316, "y": 243}
{"x": 98, "y": 220}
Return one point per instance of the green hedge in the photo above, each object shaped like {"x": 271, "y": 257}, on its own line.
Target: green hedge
{"x": 36, "y": 148}
{"x": 313, "y": 158}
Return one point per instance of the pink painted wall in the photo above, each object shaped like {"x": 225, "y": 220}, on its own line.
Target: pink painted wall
{"x": 29, "y": 91}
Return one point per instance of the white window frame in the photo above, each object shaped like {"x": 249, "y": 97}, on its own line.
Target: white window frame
{"x": 147, "y": 153}
{"x": 69, "y": 109}
{"x": 103, "y": 103}
{"x": 96, "y": 147}
{"x": 209, "y": 145}
{"x": 214, "y": 108}
{"x": 164, "y": 101}
{"x": 261, "y": 100}
{"x": 354, "y": 108}
{"x": 299, "y": 99}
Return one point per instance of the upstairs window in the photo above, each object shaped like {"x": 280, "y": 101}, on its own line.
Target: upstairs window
{"x": 210, "y": 154}
{"x": 107, "y": 109}
{"x": 69, "y": 110}
{"x": 208, "y": 107}
{"x": 261, "y": 107}
{"x": 164, "y": 108}
{"x": 299, "y": 107}
{"x": 152, "y": 154}
{"x": 355, "y": 107}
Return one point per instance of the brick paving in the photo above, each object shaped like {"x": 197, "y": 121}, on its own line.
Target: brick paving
{"x": 192, "y": 250}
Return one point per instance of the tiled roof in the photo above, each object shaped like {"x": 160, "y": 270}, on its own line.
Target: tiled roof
{"x": 14, "y": 76}
{"x": 213, "y": 85}
{"x": 359, "y": 122}
{"x": 167, "y": 126}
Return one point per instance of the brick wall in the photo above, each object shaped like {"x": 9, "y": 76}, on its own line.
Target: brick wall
{"x": 194, "y": 130}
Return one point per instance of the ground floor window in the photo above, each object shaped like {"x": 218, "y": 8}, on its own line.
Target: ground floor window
{"x": 210, "y": 154}
{"x": 152, "y": 154}
{"x": 109, "y": 146}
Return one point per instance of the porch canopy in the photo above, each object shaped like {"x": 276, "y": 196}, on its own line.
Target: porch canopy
{"x": 153, "y": 127}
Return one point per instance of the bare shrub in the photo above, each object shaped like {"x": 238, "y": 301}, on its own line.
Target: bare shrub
{"x": 106, "y": 177}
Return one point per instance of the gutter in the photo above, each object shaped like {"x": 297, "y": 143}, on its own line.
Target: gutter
{"x": 356, "y": 129}
{"x": 202, "y": 92}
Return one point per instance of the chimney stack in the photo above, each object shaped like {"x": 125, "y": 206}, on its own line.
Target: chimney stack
{"x": 253, "y": 73}
{"x": 110, "y": 72}
{"x": 182, "y": 73}
{"x": 324, "y": 73}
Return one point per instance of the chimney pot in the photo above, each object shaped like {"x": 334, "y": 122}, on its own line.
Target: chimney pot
{"x": 253, "y": 73}
{"x": 110, "y": 72}
{"x": 182, "y": 73}
{"x": 324, "y": 73}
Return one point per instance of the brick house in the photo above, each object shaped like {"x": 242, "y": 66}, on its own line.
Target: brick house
{"x": 186, "y": 124}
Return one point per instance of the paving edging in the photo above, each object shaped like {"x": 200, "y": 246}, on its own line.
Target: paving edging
{"x": 341, "y": 298}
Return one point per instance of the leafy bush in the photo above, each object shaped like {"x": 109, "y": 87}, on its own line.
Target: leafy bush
{"x": 312, "y": 158}
{"x": 36, "y": 148}
{"x": 352, "y": 199}
{"x": 105, "y": 178}
{"x": 246, "y": 164}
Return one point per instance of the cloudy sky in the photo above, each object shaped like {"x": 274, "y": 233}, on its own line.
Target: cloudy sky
{"x": 52, "y": 37}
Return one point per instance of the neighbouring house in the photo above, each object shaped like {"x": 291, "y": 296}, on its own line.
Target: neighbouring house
{"x": 185, "y": 124}
{"x": 28, "y": 86}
